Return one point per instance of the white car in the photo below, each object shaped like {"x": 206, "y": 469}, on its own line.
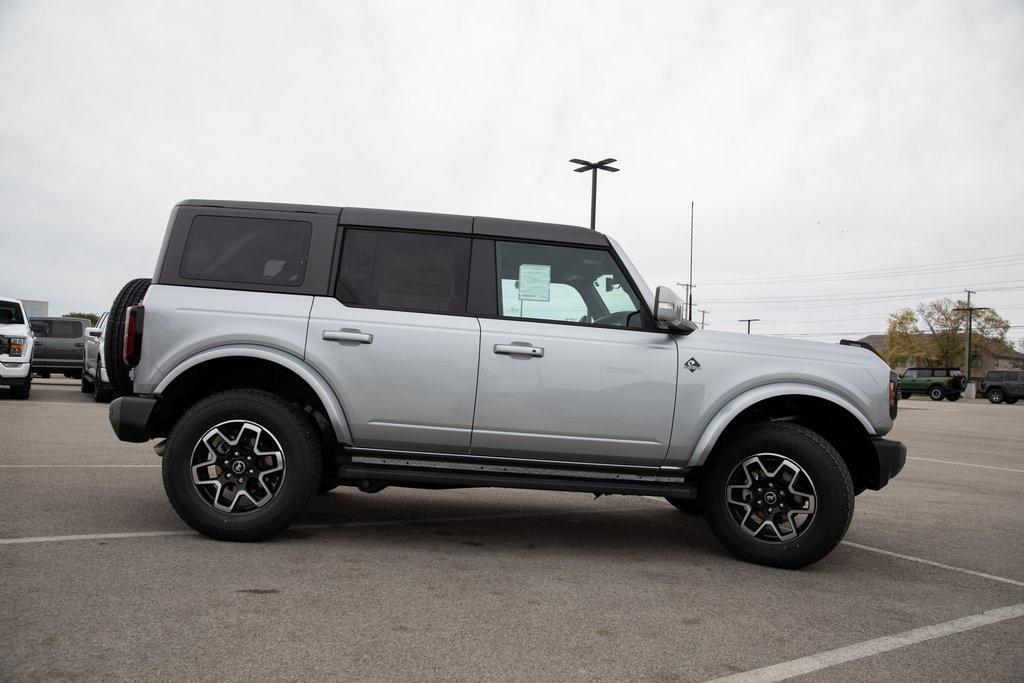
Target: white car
{"x": 94, "y": 369}
{"x": 16, "y": 341}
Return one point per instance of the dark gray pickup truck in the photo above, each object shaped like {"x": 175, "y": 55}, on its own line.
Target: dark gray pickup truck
{"x": 60, "y": 345}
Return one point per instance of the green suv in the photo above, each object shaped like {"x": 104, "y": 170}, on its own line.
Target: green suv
{"x": 936, "y": 383}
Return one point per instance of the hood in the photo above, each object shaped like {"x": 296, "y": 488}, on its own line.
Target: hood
{"x": 737, "y": 342}
{"x": 14, "y": 330}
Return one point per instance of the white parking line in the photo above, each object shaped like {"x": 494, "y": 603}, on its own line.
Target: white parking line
{"x": 29, "y": 467}
{"x": 967, "y": 464}
{"x": 921, "y": 560}
{"x": 341, "y": 525}
{"x": 869, "y": 648}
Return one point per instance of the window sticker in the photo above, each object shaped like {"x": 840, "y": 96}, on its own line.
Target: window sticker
{"x": 534, "y": 282}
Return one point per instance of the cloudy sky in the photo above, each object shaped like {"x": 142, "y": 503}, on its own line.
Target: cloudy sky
{"x": 833, "y": 140}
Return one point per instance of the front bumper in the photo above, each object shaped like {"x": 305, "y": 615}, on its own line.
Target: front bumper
{"x": 889, "y": 458}
{"x": 14, "y": 373}
{"x": 130, "y": 416}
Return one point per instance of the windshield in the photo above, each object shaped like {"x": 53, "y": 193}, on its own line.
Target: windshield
{"x": 10, "y": 313}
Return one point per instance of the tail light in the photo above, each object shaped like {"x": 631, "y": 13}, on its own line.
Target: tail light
{"x": 131, "y": 349}
{"x": 894, "y": 394}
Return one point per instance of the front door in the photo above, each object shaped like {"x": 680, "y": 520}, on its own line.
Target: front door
{"x": 571, "y": 369}
{"x": 395, "y": 342}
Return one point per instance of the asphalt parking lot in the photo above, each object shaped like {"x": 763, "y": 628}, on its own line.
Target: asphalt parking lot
{"x": 101, "y": 580}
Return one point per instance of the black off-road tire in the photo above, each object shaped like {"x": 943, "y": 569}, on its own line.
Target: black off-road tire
{"x": 1011, "y": 401}
{"x": 904, "y": 396}
{"x": 113, "y": 343}
{"x": 818, "y": 458}
{"x": 297, "y": 436}
{"x": 690, "y": 507}
{"x": 102, "y": 393}
{"x": 20, "y": 393}
{"x": 936, "y": 393}
{"x": 953, "y": 396}
{"x": 995, "y": 395}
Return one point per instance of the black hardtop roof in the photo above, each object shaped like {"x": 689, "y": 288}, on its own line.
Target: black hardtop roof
{"x": 434, "y": 222}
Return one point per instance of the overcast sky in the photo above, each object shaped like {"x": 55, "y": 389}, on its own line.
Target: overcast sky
{"x": 817, "y": 137}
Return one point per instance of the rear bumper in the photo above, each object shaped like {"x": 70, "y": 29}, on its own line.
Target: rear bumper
{"x": 890, "y": 457}
{"x": 130, "y": 417}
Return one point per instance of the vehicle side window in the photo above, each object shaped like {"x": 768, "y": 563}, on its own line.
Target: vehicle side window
{"x": 1013, "y": 377}
{"x": 994, "y": 377}
{"x": 404, "y": 270}
{"x": 65, "y": 329}
{"x": 564, "y": 284}
{"x": 249, "y": 250}
{"x": 40, "y": 328}
{"x": 941, "y": 373}
{"x": 910, "y": 374}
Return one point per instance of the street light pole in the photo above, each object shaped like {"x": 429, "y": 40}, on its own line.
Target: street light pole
{"x": 594, "y": 167}
{"x": 969, "y": 327}
{"x": 689, "y": 305}
{"x": 748, "y": 321}
{"x": 702, "y": 314}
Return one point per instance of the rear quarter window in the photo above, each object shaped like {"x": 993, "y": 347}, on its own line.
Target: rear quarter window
{"x": 994, "y": 377}
{"x": 246, "y": 250}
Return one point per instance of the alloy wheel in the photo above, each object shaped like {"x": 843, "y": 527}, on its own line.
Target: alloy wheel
{"x": 771, "y": 498}
{"x": 238, "y": 466}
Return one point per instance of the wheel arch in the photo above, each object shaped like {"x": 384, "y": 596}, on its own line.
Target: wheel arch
{"x": 823, "y": 411}
{"x": 254, "y": 366}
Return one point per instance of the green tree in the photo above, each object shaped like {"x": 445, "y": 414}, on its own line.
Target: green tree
{"x": 903, "y": 342}
{"x": 945, "y": 322}
{"x": 91, "y": 317}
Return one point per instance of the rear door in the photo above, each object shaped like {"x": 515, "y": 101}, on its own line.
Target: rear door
{"x": 569, "y": 368}
{"x": 395, "y": 341}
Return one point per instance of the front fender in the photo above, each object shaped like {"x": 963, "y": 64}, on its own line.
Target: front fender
{"x": 725, "y": 415}
{"x": 320, "y": 386}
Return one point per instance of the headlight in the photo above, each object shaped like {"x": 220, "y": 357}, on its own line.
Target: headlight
{"x": 16, "y": 346}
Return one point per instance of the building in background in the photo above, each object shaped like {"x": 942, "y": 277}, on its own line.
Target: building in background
{"x": 36, "y": 309}
{"x": 986, "y": 354}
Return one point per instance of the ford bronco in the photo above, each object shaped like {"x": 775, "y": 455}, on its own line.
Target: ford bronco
{"x": 281, "y": 350}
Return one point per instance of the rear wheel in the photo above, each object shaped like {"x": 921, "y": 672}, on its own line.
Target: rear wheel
{"x": 936, "y": 393}
{"x": 113, "y": 342}
{"x": 953, "y": 396}
{"x": 778, "y": 494}
{"x": 1011, "y": 401}
{"x": 241, "y": 465}
{"x": 995, "y": 395}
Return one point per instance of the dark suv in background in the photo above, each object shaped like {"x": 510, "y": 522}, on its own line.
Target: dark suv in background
{"x": 60, "y": 344}
{"x": 1003, "y": 386}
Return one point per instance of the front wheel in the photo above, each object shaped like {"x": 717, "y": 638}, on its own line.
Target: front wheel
{"x": 936, "y": 393}
{"x": 995, "y": 396}
{"x": 778, "y": 494}
{"x": 241, "y": 465}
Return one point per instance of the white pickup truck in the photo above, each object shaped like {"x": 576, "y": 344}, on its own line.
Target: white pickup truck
{"x": 16, "y": 343}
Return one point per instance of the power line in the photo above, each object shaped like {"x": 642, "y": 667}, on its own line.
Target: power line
{"x": 880, "y": 294}
{"x": 890, "y": 271}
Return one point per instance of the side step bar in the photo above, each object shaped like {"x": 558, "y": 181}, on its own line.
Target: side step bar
{"x": 403, "y": 471}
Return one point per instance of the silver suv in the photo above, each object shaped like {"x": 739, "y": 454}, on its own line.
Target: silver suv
{"x": 282, "y": 350}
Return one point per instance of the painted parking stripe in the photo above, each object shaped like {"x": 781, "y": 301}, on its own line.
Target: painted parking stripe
{"x": 58, "y": 467}
{"x": 967, "y": 464}
{"x": 341, "y": 525}
{"x": 921, "y": 560}
{"x": 869, "y": 648}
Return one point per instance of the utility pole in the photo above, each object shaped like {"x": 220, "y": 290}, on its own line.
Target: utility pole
{"x": 970, "y": 325}
{"x": 702, "y": 314}
{"x": 594, "y": 167}
{"x": 689, "y": 298}
{"x": 689, "y": 302}
{"x": 748, "y": 321}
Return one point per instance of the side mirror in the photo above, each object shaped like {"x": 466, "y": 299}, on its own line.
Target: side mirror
{"x": 669, "y": 313}
{"x": 93, "y": 331}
